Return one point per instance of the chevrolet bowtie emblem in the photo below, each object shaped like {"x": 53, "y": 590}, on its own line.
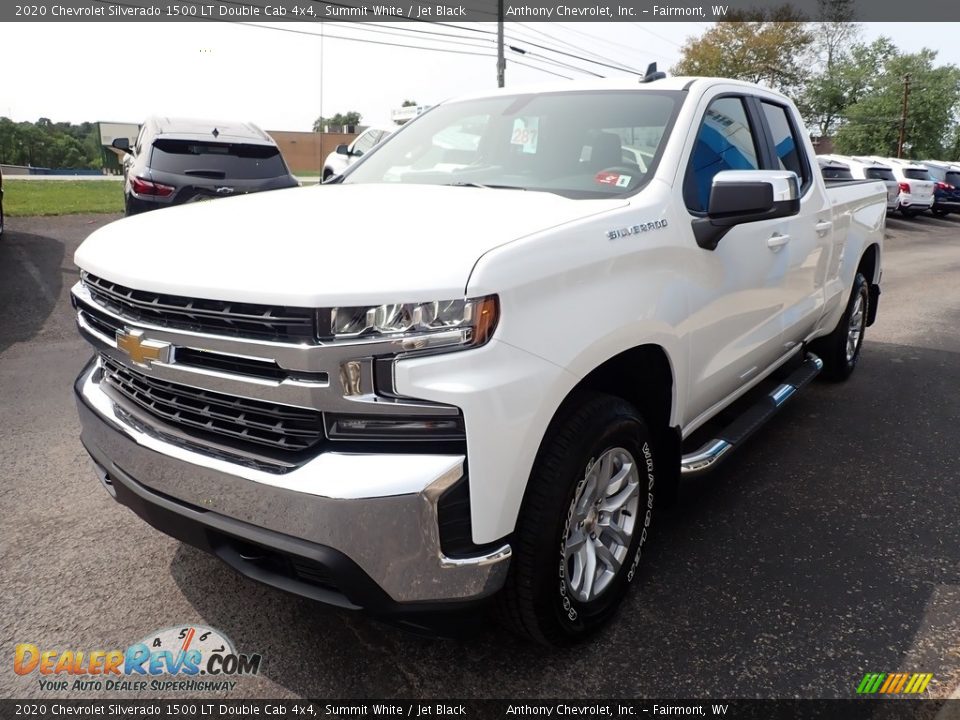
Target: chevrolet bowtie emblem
{"x": 143, "y": 352}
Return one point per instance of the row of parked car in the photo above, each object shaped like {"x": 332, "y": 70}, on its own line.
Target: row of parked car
{"x": 913, "y": 186}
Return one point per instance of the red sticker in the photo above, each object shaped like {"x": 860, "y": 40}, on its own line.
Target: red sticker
{"x": 612, "y": 178}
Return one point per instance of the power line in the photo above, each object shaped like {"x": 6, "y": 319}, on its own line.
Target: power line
{"x": 647, "y": 30}
{"x": 551, "y": 61}
{"x": 543, "y": 70}
{"x": 458, "y": 39}
{"x": 523, "y": 38}
{"x": 583, "y": 59}
{"x": 354, "y": 39}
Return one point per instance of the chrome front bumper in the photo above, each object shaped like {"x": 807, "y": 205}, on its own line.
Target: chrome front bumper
{"x": 377, "y": 510}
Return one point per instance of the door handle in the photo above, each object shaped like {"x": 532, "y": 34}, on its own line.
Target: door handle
{"x": 777, "y": 241}
{"x": 823, "y": 227}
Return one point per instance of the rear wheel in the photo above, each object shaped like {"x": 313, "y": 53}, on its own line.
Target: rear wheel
{"x": 941, "y": 213}
{"x": 840, "y": 350}
{"x": 583, "y": 524}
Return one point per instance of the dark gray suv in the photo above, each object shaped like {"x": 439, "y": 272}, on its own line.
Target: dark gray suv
{"x": 176, "y": 161}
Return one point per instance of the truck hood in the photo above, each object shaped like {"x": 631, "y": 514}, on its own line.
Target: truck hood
{"x": 327, "y": 245}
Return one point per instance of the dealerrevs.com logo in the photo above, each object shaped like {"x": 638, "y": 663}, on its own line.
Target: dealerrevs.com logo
{"x": 188, "y": 658}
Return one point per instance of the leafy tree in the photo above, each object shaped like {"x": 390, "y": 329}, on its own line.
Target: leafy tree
{"x": 339, "y": 120}
{"x": 826, "y": 94}
{"x": 772, "y": 51}
{"x": 49, "y": 144}
{"x": 872, "y": 120}
{"x": 409, "y": 103}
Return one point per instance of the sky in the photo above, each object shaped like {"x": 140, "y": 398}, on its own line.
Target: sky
{"x": 282, "y": 79}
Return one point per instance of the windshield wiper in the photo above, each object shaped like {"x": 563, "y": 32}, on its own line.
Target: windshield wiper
{"x": 484, "y": 186}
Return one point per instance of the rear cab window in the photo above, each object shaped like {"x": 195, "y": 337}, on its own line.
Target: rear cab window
{"x": 199, "y": 158}
{"x": 917, "y": 174}
{"x": 787, "y": 143}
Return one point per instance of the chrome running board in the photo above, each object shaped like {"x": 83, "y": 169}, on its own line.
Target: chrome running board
{"x": 709, "y": 455}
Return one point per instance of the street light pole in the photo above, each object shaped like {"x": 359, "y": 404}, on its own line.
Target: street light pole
{"x": 501, "y": 60}
{"x": 903, "y": 116}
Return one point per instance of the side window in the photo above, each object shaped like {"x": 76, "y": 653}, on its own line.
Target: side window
{"x": 786, "y": 143}
{"x": 364, "y": 143}
{"x": 725, "y": 141}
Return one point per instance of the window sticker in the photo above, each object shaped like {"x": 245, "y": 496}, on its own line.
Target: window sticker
{"x": 612, "y": 178}
{"x": 525, "y": 132}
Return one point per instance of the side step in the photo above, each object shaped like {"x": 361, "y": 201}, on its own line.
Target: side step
{"x": 707, "y": 456}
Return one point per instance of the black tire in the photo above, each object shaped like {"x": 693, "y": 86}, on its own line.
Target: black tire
{"x": 941, "y": 213}
{"x": 908, "y": 213}
{"x": 838, "y": 363}
{"x": 327, "y": 174}
{"x": 538, "y": 600}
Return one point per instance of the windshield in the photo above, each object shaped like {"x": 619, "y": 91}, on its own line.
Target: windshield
{"x": 577, "y": 144}
{"x": 879, "y": 174}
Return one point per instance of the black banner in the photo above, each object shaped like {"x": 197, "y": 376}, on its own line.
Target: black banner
{"x": 305, "y": 11}
{"x": 872, "y": 709}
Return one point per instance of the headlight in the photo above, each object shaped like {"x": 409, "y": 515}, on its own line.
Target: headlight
{"x": 421, "y": 326}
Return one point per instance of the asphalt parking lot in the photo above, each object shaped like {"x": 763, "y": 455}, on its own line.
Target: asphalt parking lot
{"x": 825, "y": 549}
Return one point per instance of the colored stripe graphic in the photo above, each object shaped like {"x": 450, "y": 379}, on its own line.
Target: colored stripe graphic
{"x": 894, "y": 683}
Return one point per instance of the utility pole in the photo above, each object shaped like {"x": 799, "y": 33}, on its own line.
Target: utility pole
{"x": 501, "y": 60}
{"x": 903, "y": 116}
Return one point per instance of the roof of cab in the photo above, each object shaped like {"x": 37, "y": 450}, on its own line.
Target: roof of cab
{"x": 618, "y": 83}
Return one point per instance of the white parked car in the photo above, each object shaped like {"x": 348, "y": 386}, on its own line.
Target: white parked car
{"x": 916, "y": 185}
{"x": 485, "y": 383}
{"x": 863, "y": 168}
{"x": 345, "y": 155}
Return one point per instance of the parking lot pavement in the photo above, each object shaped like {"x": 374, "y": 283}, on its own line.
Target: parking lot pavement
{"x": 825, "y": 549}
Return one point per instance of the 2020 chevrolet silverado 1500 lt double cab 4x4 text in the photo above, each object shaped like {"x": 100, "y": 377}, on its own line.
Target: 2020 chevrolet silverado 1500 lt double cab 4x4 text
{"x": 485, "y": 387}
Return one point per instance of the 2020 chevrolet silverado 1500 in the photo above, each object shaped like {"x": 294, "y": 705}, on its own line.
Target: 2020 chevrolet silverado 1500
{"x": 486, "y": 385}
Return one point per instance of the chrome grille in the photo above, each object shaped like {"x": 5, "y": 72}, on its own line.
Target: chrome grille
{"x": 216, "y": 317}
{"x": 109, "y": 326}
{"x": 204, "y": 413}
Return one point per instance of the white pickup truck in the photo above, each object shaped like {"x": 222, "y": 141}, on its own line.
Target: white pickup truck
{"x": 473, "y": 367}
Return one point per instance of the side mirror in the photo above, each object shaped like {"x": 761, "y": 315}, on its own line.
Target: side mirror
{"x": 746, "y": 196}
{"x": 342, "y": 150}
{"x": 121, "y": 143}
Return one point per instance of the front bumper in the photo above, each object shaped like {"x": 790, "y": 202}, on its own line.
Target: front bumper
{"x": 378, "y": 549}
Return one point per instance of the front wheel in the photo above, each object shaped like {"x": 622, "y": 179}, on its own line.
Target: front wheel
{"x": 583, "y": 524}
{"x": 840, "y": 350}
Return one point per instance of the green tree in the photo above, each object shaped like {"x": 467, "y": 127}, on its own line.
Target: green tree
{"x": 826, "y": 94}
{"x": 773, "y": 51}
{"x": 339, "y": 120}
{"x": 49, "y": 144}
{"x": 872, "y": 120}
{"x": 409, "y": 103}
